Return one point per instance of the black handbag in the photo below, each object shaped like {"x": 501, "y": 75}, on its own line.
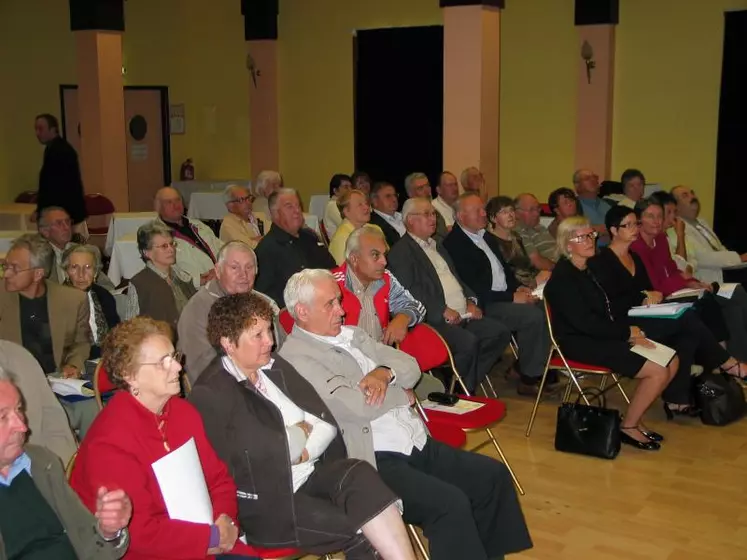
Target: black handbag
{"x": 720, "y": 399}
{"x": 588, "y": 430}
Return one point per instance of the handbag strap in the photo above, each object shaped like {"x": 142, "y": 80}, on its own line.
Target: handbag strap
{"x": 592, "y": 394}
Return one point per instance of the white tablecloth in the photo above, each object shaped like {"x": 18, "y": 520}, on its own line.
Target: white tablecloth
{"x": 186, "y": 188}
{"x": 126, "y": 261}
{"x": 17, "y": 217}
{"x": 6, "y": 238}
{"x": 125, "y": 223}
{"x": 207, "y": 206}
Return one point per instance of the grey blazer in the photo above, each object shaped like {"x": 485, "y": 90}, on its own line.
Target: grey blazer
{"x": 79, "y": 523}
{"x": 414, "y": 270}
{"x": 335, "y": 375}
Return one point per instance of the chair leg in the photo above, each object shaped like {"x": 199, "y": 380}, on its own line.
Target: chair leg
{"x": 622, "y": 391}
{"x": 539, "y": 397}
{"x": 415, "y": 538}
{"x": 504, "y": 460}
{"x": 491, "y": 387}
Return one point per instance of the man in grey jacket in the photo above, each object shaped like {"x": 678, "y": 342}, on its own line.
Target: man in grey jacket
{"x": 465, "y": 502}
{"x": 41, "y": 515}
{"x": 235, "y": 271}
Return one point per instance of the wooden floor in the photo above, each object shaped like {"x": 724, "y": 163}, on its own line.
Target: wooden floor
{"x": 687, "y": 501}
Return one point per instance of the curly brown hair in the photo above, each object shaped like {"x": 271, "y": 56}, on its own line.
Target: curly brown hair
{"x": 121, "y": 346}
{"x": 232, "y": 315}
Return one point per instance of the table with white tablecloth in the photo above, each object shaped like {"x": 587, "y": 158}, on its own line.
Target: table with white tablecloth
{"x": 126, "y": 261}
{"x": 125, "y": 223}
{"x": 16, "y": 216}
{"x": 186, "y": 188}
{"x": 207, "y": 206}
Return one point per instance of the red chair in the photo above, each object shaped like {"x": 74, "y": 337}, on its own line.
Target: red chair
{"x": 27, "y": 197}
{"x": 323, "y": 230}
{"x": 101, "y": 384}
{"x": 573, "y": 369}
{"x": 275, "y": 553}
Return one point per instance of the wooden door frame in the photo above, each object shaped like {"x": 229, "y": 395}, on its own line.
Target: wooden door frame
{"x": 165, "y": 121}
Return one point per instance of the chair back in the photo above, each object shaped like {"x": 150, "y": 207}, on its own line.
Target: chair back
{"x": 286, "y": 321}
{"x": 323, "y": 231}
{"x": 101, "y": 384}
{"x": 70, "y": 466}
{"x": 99, "y": 209}
{"x": 317, "y": 205}
{"x": 427, "y": 347}
{"x": 548, "y": 318}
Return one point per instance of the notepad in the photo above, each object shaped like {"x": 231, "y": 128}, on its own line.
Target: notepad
{"x": 686, "y": 293}
{"x": 727, "y": 290}
{"x": 70, "y": 387}
{"x": 660, "y": 354}
{"x": 660, "y": 311}
{"x": 460, "y": 407}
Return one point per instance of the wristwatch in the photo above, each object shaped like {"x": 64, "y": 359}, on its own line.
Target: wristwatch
{"x": 392, "y": 375}
{"x": 119, "y": 535}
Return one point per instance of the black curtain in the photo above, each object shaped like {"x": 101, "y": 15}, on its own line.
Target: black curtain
{"x": 731, "y": 173}
{"x": 399, "y": 102}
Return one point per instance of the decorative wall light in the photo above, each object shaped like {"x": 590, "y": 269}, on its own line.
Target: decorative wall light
{"x": 251, "y": 65}
{"x": 587, "y": 53}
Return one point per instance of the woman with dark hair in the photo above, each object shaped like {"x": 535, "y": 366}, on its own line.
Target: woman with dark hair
{"x": 625, "y": 281}
{"x": 501, "y": 222}
{"x": 563, "y": 203}
{"x": 296, "y": 487}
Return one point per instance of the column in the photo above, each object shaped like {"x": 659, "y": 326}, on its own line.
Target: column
{"x": 98, "y": 28}
{"x": 595, "y": 21}
{"x": 260, "y": 34}
{"x": 472, "y": 86}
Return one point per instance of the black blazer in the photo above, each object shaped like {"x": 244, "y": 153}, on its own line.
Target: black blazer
{"x": 391, "y": 234}
{"x": 60, "y": 182}
{"x": 623, "y": 290}
{"x": 109, "y": 307}
{"x": 473, "y": 266}
{"x": 248, "y": 434}
{"x": 412, "y": 267}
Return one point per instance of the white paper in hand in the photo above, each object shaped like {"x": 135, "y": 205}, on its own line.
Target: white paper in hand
{"x": 182, "y": 483}
{"x": 727, "y": 290}
{"x": 70, "y": 387}
{"x": 659, "y": 354}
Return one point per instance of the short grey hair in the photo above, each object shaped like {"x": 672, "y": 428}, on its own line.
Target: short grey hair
{"x": 411, "y": 178}
{"x": 301, "y": 287}
{"x": 264, "y": 176}
{"x": 235, "y": 245}
{"x": 353, "y": 243}
{"x": 43, "y": 214}
{"x": 42, "y": 254}
{"x": 568, "y": 229}
{"x": 272, "y": 202}
{"x": 85, "y": 249}
{"x": 409, "y": 206}
{"x": 464, "y": 175}
{"x": 464, "y": 196}
{"x": 145, "y": 235}
{"x": 228, "y": 193}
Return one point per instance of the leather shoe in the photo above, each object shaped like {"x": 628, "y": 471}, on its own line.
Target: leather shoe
{"x": 643, "y": 445}
{"x": 652, "y": 435}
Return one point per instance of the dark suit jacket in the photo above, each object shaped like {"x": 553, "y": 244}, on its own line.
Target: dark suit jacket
{"x": 60, "y": 182}
{"x": 391, "y": 234}
{"x": 248, "y": 434}
{"x": 412, "y": 267}
{"x": 473, "y": 266}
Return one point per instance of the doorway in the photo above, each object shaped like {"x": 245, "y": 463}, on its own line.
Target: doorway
{"x": 398, "y": 102}
{"x": 147, "y": 134}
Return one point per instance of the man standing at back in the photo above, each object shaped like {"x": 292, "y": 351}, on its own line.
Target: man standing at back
{"x": 60, "y": 182}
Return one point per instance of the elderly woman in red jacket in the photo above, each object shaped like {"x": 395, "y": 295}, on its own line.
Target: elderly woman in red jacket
{"x": 141, "y": 424}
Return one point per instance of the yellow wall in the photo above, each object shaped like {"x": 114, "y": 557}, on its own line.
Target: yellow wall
{"x": 667, "y": 84}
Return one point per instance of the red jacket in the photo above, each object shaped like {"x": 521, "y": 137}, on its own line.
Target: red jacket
{"x": 660, "y": 266}
{"x": 118, "y": 451}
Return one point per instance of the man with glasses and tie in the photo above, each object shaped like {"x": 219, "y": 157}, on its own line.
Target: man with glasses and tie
{"x": 49, "y": 320}
{"x": 240, "y": 224}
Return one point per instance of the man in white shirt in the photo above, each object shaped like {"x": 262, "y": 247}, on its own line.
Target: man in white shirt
{"x": 465, "y": 502}
{"x": 448, "y": 192}
{"x": 385, "y": 203}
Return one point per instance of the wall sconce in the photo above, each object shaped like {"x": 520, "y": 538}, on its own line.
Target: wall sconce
{"x": 587, "y": 53}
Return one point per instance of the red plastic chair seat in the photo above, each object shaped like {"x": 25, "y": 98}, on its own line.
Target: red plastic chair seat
{"x": 105, "y": 386}
{"x": 268, "y": 553}
{"x": 450, "y": 435}
{"x": 492, "y": 411}
{"x": 426, "y": 347}
{"x": 557, "y": 363}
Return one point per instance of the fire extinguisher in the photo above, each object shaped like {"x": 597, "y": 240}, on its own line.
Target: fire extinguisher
{"x": 187, "y": 172}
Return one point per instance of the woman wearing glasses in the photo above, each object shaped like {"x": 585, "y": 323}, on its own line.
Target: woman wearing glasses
{"x": 161, "y": 289}
{"x": 586, "y": 329}
{"x": 143, "y": 422}
{"x": 82, "y": 264}
{"x": 625, "y": 280}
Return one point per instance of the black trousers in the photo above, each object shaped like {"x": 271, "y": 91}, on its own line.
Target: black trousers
{"x": 476, "y": 346}
{"x": 465, "y": 503}
{"x": 334, "y": 503}
{"x": 735, "y": 315}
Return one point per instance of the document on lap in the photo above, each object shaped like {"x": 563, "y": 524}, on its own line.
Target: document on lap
{"x": 659, "y": 354}
{"x": 183, "y": 487}
{"x": 661, "y": 310}
{"x": 70, "y": 387}
{"x": 727, "y": 290}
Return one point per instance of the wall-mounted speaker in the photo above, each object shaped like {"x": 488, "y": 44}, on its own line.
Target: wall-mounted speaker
{"x": 106, "y": 15}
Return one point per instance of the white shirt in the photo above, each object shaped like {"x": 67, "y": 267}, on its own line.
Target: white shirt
{"x": 332, "y": 218}
{"x": 61, "y": 275}
{"x": 395, "y": 221}
{"x": 321, "y": 435}
{"x": 445, "y": 209}
{"x": 453, "y": 293}
{"x": 499, "y": 275}
{"x": 397, "y": 430}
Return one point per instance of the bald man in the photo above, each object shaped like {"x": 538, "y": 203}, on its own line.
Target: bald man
{"x": 538, "y": 242}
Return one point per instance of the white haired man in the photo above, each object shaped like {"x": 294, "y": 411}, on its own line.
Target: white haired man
{"x": 235, "y": 272}
{"x": 465, "y": 502}
{"x": 240, "y": 224}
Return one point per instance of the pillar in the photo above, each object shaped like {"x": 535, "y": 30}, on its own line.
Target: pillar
{"x": 472, "y": 86}
{"x": 595, "y": 22}
{"x": 260, "y": 34}
{"x": 98, "y": 26}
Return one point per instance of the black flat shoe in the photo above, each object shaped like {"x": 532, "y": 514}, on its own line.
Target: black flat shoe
{"x": 643, "y": 445}
{"x": 652, "y": 435}
{"x": 689, "y": 411}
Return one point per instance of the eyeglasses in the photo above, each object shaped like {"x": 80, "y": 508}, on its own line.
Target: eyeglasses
{"x": 426, "y": 214}
{"x": 631, "y": 224}
{"x": 243, "y": 199}
{"x": 165, "y": 246}
{"x": 77, "y": 268}
{"x": 7, "y": 268}
{"x": 507, "y": 210}
{"x": 167, "y": 361}
{"x": 591, "y": 236}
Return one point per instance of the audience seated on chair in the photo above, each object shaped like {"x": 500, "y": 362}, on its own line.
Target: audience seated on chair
{"x": 385, "y": 215}
{"x": 538, "y": 243}
{"x": 45, "y": 418}
{"x": 240, "y": 224}
{"x": 339, "y": 184}
{"x": 288, "y": 247}
{"x": 82, "y": 265}
{"x": 49, "y": 320}
{"x": 162, "y": 289}
{"x": 479, "y": 263}
{"x": 258, "y": 409}
{"x": 587, "y": 331}
{"x": 41, "y": 515}
{"x": 587, "y": 186}
{"x": 633, "y": 186}
{"x": 356, "y": 211}
{"x": 448, "y": 192}
{"x": 235, "y": 272}
{"x": 362, "y": 182}
{"x": 141, "y": 424}
{"x": 196, "y": 243}
{"x": 563, "y": 203}
{"x": 465, "y": 502}
{"x": 268, "y": 182}
{"x": 472, "y": 180}
{"x": 417, "y": 185}
{"x": 423, "y": 266}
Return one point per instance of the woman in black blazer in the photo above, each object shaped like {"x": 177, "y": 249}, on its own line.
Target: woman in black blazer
{"x": 587, "y": 330}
